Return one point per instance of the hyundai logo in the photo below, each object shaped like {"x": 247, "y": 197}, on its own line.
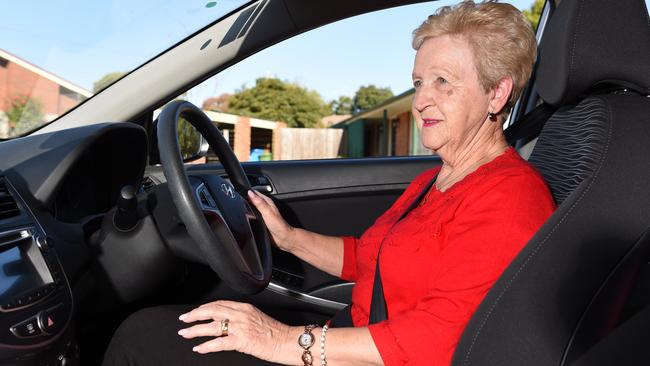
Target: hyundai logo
{"x": 228, "y": 190}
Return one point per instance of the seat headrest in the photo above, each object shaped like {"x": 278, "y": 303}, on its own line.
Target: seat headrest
{"x": 589, "y": 42}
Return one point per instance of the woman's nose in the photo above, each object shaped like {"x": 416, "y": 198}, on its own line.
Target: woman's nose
{"x": 423, "y": 98}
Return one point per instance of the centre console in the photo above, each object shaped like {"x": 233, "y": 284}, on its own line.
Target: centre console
{"x": 35, "y": 298}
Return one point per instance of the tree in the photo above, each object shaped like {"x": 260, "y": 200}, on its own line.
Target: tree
{"x": 534, "y": 13}
{"x": 189, "y": 138}
{"x": 368, "y": 97}
{"x": 278, "y": 100}
{"x": 343, "y": 105}
{"x": 24, "y": 114}
{"x": 217, "y": 104}
{"x": 107, "y": 80}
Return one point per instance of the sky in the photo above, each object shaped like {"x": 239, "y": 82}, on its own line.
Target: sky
{"x": 80, "y": 41}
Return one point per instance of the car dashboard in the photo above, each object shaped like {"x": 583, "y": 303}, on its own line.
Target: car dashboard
{"x": 55, "y": 191}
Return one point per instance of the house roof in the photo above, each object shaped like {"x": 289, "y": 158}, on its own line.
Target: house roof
{"x": 334, "y": 119}
{"x": 46, "y": 74}
{"x": 393, "y": 106}
{"x": 231, "y": 119}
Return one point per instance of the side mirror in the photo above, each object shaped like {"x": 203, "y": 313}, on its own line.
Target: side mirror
{"x": 190, "y": 141}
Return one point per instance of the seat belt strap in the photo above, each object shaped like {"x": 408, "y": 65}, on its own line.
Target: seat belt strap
{"x": 529, "y": 126}
{"x": 378, "y": 308}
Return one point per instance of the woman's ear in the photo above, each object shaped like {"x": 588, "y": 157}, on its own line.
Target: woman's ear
{"x": 500, "y": 94}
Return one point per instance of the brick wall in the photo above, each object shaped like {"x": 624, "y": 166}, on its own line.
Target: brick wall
{"x": 3, "y": 83}
{"x": 243, "y": 138}
{"x": 66, "y": 103}
{"x": 402, "y": 134}
{"x": 16, "y": 81}
{"x": 276, "y": 149}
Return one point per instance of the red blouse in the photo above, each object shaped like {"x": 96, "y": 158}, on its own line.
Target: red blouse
{"x": 438, "y": 263}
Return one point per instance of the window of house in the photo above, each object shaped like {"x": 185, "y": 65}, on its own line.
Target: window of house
{"x": 70, "y": 94}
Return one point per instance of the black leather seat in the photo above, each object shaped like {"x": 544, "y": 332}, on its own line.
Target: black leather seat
{"x": 576, "y": 284}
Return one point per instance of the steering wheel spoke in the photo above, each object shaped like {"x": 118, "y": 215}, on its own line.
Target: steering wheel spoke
{"x": 218, "y": 196}
{"x": 250, "y": 214}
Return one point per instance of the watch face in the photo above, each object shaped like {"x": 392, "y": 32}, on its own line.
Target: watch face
{"x": 306, "y": 340}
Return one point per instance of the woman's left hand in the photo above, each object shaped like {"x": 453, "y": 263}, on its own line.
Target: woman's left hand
{"x": 249, "y": 330}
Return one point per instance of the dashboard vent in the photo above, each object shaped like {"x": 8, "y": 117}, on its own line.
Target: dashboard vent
{"x": 147, "y": 184}
{"x": 8, "y": 206}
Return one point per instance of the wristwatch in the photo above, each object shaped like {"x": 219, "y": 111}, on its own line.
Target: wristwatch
{"x": 306, "y": 340}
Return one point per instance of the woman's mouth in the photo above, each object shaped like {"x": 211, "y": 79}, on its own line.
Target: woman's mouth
{"x": 428, "y": 122}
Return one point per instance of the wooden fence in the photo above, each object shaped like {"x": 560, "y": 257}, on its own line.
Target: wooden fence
{"x": 309, "y": 143}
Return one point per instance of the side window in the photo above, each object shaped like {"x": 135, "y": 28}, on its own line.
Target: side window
{"x": 340, "y": 91}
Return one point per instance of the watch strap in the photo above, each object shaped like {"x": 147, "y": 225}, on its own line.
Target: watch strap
{"x": 307, "y": 357}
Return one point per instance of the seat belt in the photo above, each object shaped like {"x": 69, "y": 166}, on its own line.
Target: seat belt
{"x": 378, "y": 309}
{"x": 529, "y": 126}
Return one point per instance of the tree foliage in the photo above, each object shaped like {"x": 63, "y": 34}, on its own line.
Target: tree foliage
{"x": 217, "y": 104}
{"x": 343, "y": 105}
{"x": 189, "y": 138}
{"x": 24, "y": 114}
{"x": 368, "y": 97}
{"x": 278, "y": 100}
{"x": 534, "y": 13}
{"x": 107, "y": 80}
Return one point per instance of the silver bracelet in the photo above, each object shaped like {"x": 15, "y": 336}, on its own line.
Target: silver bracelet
{"x": 323, "y": 361}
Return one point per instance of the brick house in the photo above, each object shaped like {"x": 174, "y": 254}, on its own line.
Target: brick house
{"x": 244, "y": 134}
{"x": 21, "y": 78}
{"x": 247, "y": 133}
{"x": 385, "y": 130}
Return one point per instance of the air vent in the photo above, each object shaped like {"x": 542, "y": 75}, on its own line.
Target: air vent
{"x": 147, "y": 184}
{"x": 8, "y": 206}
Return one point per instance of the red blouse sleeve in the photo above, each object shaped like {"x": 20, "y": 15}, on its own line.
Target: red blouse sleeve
{"x": 349, "y": 270}
{"x": 491, "y": 227}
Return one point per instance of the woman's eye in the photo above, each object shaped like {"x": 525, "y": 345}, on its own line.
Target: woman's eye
{"x": 442, "y": 81}
{"x": 417, "y": 83}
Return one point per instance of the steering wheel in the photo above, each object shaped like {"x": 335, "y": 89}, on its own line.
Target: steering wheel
{"x": 229, "y": 232}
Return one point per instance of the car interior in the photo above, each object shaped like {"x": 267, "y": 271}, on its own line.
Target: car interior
{"x": 101, "y": 216}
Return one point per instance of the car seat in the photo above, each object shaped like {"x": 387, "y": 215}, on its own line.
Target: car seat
{"x": 576, "y": 294}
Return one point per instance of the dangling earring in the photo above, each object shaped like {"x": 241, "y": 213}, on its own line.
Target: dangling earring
{"x": 492, "y": 116}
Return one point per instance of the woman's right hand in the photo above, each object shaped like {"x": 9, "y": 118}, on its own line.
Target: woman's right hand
{"x": 280, "y": 230}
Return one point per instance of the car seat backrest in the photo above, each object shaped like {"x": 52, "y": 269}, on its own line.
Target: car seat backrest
{"x": 594, "y": 153}
{"x": 592, "y": 42}
{"x": 571, "y": 145}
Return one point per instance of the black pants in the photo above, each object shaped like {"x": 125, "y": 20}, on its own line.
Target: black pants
{"x": 149, "y": 337}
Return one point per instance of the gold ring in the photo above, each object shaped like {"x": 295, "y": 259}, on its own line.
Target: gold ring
{"x": 224, "y": 327}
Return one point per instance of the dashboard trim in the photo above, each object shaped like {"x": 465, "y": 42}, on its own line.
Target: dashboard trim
{"x": 282, "y": 290}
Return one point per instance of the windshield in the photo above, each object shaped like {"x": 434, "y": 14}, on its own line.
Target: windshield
{"x": 56, "y": 54}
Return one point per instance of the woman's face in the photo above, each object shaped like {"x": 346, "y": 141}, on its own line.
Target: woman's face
{"x": 450, "y": 105}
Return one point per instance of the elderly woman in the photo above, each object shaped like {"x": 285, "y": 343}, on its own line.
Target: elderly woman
{"x": 440, "y": 247}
